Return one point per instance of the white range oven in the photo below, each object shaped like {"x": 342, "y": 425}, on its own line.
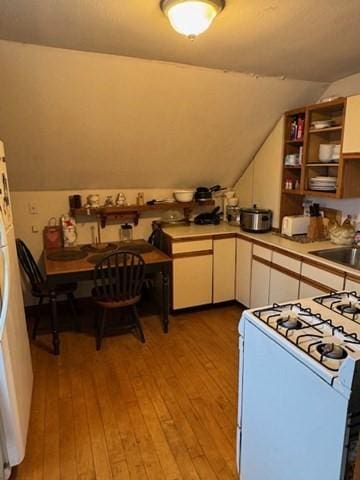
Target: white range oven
{"x": 299, "y": 390}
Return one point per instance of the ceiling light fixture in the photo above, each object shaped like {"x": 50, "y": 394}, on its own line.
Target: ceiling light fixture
{"x": 191, "y": 17}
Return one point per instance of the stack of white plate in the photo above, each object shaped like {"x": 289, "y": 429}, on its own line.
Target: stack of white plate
{"x": 325, "y": 184}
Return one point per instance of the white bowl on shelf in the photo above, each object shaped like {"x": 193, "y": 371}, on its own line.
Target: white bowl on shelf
{"x": 318, "y": 124}
{"x": 184, "y": 196}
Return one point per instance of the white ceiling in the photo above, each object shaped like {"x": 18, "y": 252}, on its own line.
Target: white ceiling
{"x": 303, "y": 39}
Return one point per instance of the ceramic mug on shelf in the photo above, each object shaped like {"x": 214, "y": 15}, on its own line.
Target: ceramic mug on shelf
{"x": 93, "y": 200}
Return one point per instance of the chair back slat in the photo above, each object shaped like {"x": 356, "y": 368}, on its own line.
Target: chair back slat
{"x": 29, "y": 265}
{"x": 119, "y": 276}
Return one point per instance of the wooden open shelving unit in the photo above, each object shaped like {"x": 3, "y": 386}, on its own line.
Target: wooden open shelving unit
{"x": 347, "y": 169}
{"x": 132, "y": 213}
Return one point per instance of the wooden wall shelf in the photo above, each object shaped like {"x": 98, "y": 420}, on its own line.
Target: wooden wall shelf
{"x": 292, "y": 192}
{"x": 327, "y": 129}
{"x": 132, "y": 212}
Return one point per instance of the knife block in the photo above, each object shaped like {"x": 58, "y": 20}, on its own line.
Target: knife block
{"x": 316, "y": 229}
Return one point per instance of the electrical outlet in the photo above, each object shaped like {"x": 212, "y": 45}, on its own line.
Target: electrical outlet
{"x": 33, "y": 208}
{"x": 35, "y": 229}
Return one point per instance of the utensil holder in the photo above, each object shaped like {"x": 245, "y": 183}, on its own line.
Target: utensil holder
{"x": 316, "y": 229}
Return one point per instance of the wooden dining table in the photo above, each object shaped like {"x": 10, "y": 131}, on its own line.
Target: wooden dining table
{"x": 69, "y": 264}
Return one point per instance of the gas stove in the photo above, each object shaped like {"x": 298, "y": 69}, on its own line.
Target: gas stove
{"x": 299, "y": 374}
{"x": 344, "y": 303}
{"x": 323, "y": 340}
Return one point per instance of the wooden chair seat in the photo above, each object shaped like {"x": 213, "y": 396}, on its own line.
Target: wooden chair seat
{"x": 105, "y": 300}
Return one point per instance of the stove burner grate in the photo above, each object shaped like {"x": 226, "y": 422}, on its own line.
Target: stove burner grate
{"x": 309, "y": 338}
{"x": 344, "y": 303}
{"x": 348, "y": 308}
{"x": 290, "y": 323}
{"x": 331, "y": 350}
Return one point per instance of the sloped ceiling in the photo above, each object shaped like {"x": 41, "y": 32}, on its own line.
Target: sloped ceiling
{"x": 306, "y": 39}
{"x": 74, "y": 120}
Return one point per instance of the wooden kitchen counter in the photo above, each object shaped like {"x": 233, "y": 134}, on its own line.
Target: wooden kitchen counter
{"x": 271, "y": 240}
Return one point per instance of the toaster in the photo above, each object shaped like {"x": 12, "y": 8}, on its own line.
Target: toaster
{"x": 295, "y": 225}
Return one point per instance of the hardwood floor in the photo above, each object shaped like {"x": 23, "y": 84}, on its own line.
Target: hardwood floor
{"x": 165, "y": 409}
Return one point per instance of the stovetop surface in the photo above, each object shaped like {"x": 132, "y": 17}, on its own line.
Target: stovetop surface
{"x": 321, "y": 328}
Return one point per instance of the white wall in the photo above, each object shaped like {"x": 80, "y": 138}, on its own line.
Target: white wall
{"x": 345, "y": 87}
{"x": 245, "y": 187}
{"x": 261, "y": 182}
{"x": 73, "y": 119}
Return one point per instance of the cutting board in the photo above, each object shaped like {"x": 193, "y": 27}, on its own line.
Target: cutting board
{"x": 332, "y": 214}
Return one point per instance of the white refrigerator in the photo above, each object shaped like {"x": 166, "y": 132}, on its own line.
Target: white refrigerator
{"x": 16, "y": 376}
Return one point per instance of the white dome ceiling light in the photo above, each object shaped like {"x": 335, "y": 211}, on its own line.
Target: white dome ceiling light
{"x": 191, "y": 17}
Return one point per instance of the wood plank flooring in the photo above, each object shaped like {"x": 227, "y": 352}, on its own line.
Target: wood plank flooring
{"x": 165, "y": 409}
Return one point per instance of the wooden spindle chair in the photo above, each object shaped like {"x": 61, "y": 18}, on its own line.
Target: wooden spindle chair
{"x": 118, "y": 279}
{"x": 41, "y": 289}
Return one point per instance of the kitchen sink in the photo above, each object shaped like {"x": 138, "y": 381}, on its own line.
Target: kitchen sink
{"x": 349, "y": 256}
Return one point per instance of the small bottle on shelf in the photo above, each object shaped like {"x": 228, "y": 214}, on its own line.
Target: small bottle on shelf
{"x": 300, "y": 127}
{"x": 297, "y": 185}
{"x": 293, "y": 129}
{"x": 288, "y": 184}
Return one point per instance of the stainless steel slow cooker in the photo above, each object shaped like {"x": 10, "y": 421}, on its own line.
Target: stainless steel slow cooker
{"x": 233, "y": 215}
{"x": 255, "y": 219}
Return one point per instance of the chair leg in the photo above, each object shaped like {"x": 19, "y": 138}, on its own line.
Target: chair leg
{"x": 96, "y": 318}
{"x": 54, "y": 325}
{"x": 138, "y": 323}
{"x": 72, "y": 302}
{"x": 100, "y": 329}
{"x": 37, "y": 319}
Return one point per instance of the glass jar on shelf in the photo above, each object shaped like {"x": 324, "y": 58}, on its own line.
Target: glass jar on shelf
{"x": 126, "y": 232}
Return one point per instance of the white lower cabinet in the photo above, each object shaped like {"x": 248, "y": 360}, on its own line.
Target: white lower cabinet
{"x": 192, "y": 281}
{"x": 243, "y": 270}
{"x": 308, "y": 290}
{"x": 224, "y": 269}
{"x": 285, "y": 277}
{"x": 353, "y": 285}
{"x": 283, "y": 287}
{"x": 332, "y": 279}
{"x": 260, "y": 284}
{"x": 214, "y": 270}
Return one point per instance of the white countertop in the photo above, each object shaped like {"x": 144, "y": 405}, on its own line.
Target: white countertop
{"x": 271, "y": 239}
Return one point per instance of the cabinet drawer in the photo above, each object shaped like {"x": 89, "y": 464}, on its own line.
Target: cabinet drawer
{"x": 324, "y": 277}
{"x": 352, "y": 284}
{"x": 192, "y": 246}
{"x": 283, "y": 288}
{"x": 262, "y": 252}
{"x": 286, "y": 261}
{"x": 309, "y": 290}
